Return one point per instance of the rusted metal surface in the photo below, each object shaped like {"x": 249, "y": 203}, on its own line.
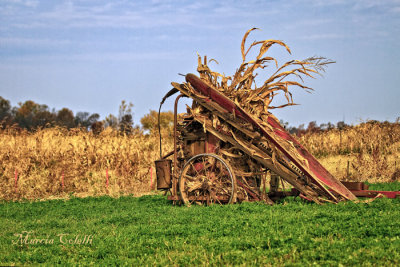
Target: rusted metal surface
{"x": 223, "y": 154}
{"x": 163, "y": 171}
{"x": 228, "y": 145}
{"x": 207, "y": 177}
{"x": 175, "y": 172}
{"x": 376, "y": 193}
{"x": 360, "y": 189}
{"x": 314, "y": 170}
{"x": 256, "y": 159}
{"x": 355, "y": 186}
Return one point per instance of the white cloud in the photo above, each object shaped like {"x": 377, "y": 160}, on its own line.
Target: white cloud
{"x": 31, "y": 3}
{"x": 154, "y": 20}
{"x": 126, "y": 14}
{"x": 325, "y": 3}
{"x": 323, "y": 36}
{"x": 357, "y": 5}
{"x": 395, "y": 10}
{"x": 33, "y": 60}
{"x": 366, "y": 4}
{"x": 70, "y": 14}
{"x": 27, "y": 3}
{"x": 14, "y": 41}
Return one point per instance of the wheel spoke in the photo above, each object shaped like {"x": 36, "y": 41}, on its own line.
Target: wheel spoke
{"x": 205, "y": 168}
{"x": 194, "y": 168}
{"x": 190, "y": 178}
{"x": 207, "y": 179}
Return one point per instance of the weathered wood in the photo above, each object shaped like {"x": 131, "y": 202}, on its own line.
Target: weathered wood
{"x": 260, "y": 157}
{"x": 254, "y": 145}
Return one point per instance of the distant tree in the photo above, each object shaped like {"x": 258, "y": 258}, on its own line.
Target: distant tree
{"x": 65, "y": 117}
{"x": 126, "y": 123}
{"x": 323, "y": 127}
{"x": 5, "y": 108}
{"x": 293, "y": 130}
{"x": 330, "y": 126}
{"x": 24, "y": 114}
{"x": 341, "y": 125}
{"x": 124, "y": 109}
{"x": 45, "y": 118}
{"x": 81, "y": 119}
{"x": 31, "y": 115}
{"x": 97, "y": 127}
{"x": 85, "y": 120}
{"x": 5, "y": 112}
{"x": 150, "y": 121}
{"x": 312, "y": 127}
{"x": 300, "y": 130}
{"x": 374, "y": 122}
{"x": 125, "y": 117}
{"x": 285, "y": 124}
{"x": 111, "y": 121}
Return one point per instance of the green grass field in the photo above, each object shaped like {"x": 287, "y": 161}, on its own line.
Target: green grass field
{"x": 150, "y": 231}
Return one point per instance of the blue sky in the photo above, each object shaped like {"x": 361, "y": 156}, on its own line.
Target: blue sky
{"x": 89, "y": 55}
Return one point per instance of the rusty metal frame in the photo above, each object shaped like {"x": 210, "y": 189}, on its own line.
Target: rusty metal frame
{"x": 318, "y": 185}
{"x": 175, "y": 164}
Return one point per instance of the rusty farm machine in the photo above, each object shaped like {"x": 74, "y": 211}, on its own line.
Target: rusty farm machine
{"x": 229, "y": 148}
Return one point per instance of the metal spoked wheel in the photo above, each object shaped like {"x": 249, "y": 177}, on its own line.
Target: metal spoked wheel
{"x": 207, "y": 179}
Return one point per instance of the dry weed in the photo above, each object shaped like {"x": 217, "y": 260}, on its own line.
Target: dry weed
{"x": 43, "y": 157}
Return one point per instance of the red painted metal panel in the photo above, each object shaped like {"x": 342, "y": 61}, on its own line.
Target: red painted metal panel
{"x": 316, "y": 172}
{"x": 373, "y": 193}
{"x": 211, "y": 143}
{"x": 315, "y": 167}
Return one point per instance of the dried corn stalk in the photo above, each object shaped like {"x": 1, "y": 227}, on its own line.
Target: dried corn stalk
{"x": 250, "y": 154}
{"x": 242, "y": 88}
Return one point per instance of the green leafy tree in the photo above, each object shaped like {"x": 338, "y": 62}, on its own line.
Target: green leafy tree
{"x": 150, "y": 121}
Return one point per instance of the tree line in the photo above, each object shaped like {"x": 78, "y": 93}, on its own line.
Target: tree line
{"x": 313, "y": 127}
{"x": 30, "y": 116}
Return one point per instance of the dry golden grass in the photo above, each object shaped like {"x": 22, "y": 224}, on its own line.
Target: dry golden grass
{"x": 42, "y": 157}
{"x": 366, "y": 152}
{"x": 372, "y": 152}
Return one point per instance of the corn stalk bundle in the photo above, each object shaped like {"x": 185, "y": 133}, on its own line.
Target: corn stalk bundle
{"x": 249, "y": 153}
{"x": 242, "y": 88}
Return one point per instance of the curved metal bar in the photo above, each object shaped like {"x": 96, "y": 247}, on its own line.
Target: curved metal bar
{"x": 175, "y": 174}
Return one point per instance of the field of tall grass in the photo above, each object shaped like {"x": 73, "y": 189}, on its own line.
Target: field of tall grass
{"x": 60, "y": 162}
{"x": 369, "y": 151}
{"x": 57, "y": 162}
